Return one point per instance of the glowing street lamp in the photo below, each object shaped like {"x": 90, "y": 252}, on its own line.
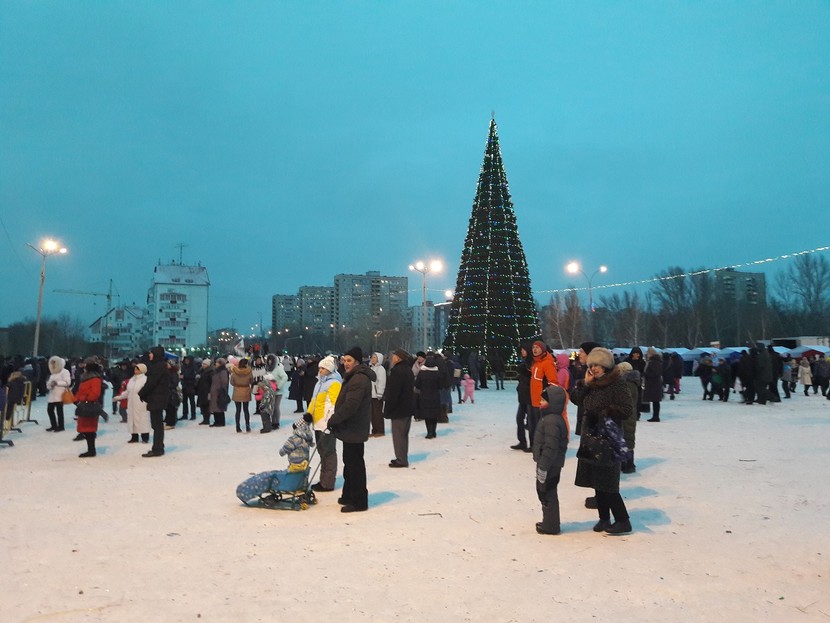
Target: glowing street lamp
{"x": 48, "y": 247}
{"x": 435, "y": 266}
{"x": 574, "y": 268}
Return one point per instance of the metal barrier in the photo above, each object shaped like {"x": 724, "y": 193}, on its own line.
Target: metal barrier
{"x": 25, "y": 407}
{"x": 6, "y": 424}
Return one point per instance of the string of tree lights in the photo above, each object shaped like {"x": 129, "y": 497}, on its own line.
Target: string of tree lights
{"x": 492, "y": 309}
{"x": 702, "y": 271}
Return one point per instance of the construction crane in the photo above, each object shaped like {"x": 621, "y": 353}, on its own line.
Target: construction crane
{"x": 105, "y": 328}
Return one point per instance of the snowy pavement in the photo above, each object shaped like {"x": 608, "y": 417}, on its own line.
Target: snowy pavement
{"x": 729, "y": 507}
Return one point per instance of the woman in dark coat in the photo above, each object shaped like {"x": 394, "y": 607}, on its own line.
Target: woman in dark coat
{"x": 219, "y": 398}
{"x": 203, "y": 382}
{"x": 429, "y": 383}
{"x": 635, "y": 358}
{"x": 633, "y": 383}
{"x": 310, "y": 378}
{"x": 668, "y": 376}
{"x": 653, "y": 383}
{"x": 295, "y": 389}
{"x": 602, "y": 393}
{"x": 523, "y": 389}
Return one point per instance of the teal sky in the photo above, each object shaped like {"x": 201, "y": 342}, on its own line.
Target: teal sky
{"x": 285, "y": 142}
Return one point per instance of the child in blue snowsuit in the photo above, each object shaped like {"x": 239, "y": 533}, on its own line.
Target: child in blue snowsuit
{"x": 296, "y": 447}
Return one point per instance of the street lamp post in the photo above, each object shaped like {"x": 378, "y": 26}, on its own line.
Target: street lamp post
{"x": 574, "y": 268}
{"x": 434, "y": 266}
{"x": 47, "y": 248}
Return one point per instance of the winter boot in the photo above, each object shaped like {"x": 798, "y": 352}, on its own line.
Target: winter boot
{"x": 628, "y": 467}
{"x": 619, "y": 527}
{"x": 145, "y": 437}
{"x": 90, "y": 446}
{"x": 53, "y": 422}
{"x": 60, "y": 421}
{"x": 133, "y": 438}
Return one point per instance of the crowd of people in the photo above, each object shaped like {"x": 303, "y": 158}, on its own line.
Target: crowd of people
{"x": 610, "y": 393}
{"x": 757, "y": 373}
{"x": 350, "y": 399}
{"x": 346, "y": 399}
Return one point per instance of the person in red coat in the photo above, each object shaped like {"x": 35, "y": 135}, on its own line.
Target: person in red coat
{"x": 542, "y": 373}
{"x": 88, "y": 401}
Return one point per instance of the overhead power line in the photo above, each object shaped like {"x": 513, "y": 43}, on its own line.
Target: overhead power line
{"x": 693, "y": 273}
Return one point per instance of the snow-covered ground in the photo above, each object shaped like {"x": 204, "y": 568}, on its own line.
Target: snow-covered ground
{"x": 729, "y": 507}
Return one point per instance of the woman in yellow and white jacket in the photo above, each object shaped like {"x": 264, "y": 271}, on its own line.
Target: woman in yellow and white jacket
{"x": 321, "y": 407}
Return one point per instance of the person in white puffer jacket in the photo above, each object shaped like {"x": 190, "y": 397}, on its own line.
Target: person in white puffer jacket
{"x": 378, "y": 387}
{"x": 59, "y": 381}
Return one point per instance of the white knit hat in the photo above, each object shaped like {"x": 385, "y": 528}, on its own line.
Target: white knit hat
{"x": 328, "y": 363}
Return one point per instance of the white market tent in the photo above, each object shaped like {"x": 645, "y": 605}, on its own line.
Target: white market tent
{"x": 805, "y": 348}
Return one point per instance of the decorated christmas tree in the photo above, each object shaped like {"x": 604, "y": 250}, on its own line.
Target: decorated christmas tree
{"x": 493, "y": 308}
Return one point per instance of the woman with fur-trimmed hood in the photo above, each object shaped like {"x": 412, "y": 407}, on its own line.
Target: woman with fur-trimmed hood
{"x": 606, "y": 403}
{"x": 59, "y": 381}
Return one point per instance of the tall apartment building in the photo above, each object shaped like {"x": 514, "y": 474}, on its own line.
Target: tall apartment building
{"x": 177, "y": 306}
{"x": 285, "y": 312}
{"x": 316, "y": 304}
{"x": 355, "y": 301}
{"x": 741, "y": 304}
{"x": 362, "y": 298}
{"x": 740, "y": 287}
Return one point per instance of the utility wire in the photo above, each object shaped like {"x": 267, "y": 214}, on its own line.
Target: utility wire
{"x": 703, "y": 271}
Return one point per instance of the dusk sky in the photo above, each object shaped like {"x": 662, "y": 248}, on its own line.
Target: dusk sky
{"x": 286, "y": 142}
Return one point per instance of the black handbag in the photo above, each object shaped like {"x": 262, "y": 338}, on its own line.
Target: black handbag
{"x": 89, "y": 409}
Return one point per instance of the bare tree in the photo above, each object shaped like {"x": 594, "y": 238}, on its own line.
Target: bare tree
{"x": 626, "y": 315}
{"x": 810, "y": 278}
{"x": 552, "y": 318}
{"x": 573, "y": 329}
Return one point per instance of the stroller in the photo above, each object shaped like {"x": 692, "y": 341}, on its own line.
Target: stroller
{"x": 280, "y": 489}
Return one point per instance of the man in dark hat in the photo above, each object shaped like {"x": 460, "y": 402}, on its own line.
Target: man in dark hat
{"x": 350, "y": 424}
{"x": 156, "y": 393}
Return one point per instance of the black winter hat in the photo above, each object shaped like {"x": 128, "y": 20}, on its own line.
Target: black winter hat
{"x": 589, "y": 346}
{"x": 355, "y": 353}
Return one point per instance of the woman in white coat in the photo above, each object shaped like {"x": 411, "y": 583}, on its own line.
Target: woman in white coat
{"x": 138, "y": 418}
{"x": 378, "y": 388}
{"x": 805, "y": 375}
{"x": 59, "y": 381}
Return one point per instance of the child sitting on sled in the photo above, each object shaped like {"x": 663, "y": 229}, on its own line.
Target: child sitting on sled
{"x": 296, "y": 447}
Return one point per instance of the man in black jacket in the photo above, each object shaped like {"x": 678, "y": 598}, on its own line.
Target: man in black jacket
{"x": 350, "y": 424}
{"x": 156, "y": 394}
{"x": 399, "y": 405}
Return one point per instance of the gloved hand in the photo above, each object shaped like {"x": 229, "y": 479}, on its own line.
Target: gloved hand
{"x": 541, "y": 476}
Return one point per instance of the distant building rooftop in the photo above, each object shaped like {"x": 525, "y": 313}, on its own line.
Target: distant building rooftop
{"x": 181, "y": 274}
